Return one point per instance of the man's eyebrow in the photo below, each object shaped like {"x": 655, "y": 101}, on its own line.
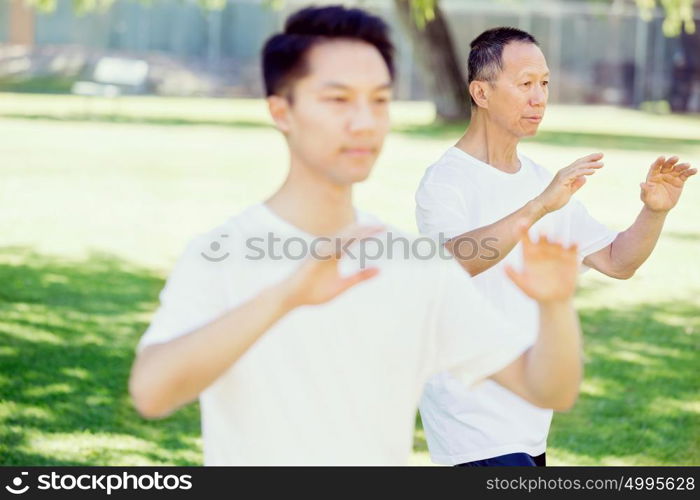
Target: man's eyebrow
{"x": 529, "y": 73}
{"x": 385, "y": 86}
{"x": 342, "y": 86}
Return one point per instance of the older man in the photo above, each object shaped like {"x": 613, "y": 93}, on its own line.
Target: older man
{"x": 476, "y": 194}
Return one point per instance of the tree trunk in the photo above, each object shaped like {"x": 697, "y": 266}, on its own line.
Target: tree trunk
{"x": 437, "y": 61}
{"x": 21, "y": 23}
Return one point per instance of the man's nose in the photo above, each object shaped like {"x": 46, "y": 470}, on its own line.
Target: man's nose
{"x": 538, "y": 96}
{"x": 362, "y": 118}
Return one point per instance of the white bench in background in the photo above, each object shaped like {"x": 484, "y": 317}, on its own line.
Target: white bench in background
{"x": 112, "y": 76}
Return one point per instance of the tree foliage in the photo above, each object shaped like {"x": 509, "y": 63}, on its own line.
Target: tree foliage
{"x": 678, "y": 15}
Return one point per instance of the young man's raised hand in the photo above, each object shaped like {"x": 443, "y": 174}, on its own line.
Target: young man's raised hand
{"x": 549, "y": 270}
{"x": 318, "y": 279}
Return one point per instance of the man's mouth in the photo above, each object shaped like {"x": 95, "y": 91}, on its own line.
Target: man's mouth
{"x": 534, "y": 118}
{"x": 358, "y": 151}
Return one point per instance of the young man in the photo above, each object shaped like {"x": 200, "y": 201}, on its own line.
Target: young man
{"x": 476, "y": 194}
{"x": 322, "y": 362}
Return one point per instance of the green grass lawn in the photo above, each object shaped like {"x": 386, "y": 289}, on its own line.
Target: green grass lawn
{"x": 97, "y": 198}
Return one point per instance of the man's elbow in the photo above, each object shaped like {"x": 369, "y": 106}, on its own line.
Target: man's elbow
{"x": 565, "y": 403}
{"x": 148, "y": 408}
{"x": 561, "y": 400}
{"x": 470, "y": 265}
{"x": 142, "y": 397}
{"x": 621, "y": 274}
{"x": 144, "y": 405}
{"x": 612, "y": 270}
{"x": 615, "y": 269}
{"x": 555, "y": 403}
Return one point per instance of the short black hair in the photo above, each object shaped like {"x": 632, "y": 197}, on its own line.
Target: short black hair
{"x": 486, "y": 54}
{"x": 284, "y": 54}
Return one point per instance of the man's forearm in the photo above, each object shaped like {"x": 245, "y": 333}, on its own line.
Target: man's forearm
{"x": 633, "y": 247}
{"x": 169, "y": 375}
{"x": 549, "y": 373}
{"x": 553, "y": 367}
{"x": 471, "y": 249}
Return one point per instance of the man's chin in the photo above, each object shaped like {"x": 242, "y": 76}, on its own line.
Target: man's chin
{"x": 530, "y": 132}
{"x": 357, "y": 171}
{"x": 353, "y": 177}
{"x": 359, "y": 176}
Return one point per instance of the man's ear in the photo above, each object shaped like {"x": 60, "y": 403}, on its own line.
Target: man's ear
{"x": 279, "y": 111}
{"x": 480, "y": 92}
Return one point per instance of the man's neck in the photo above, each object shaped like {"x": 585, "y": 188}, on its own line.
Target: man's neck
{"x": 491, "y": 144}
{"x": 313, "y": 204}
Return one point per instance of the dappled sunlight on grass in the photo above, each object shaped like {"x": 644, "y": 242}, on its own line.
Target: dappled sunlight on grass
{"x": 635, "y": 362}
{"x": 72, "y": 340}
{"x": 112, "y": 449}
{"x": 97, "y": 206}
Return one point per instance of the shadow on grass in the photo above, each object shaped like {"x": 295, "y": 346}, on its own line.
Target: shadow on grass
{"x": 567, "y": 139}
{"x": 67, "y": 336}
{"x": 68, "y": 331}
{"x": 640, "y": 392}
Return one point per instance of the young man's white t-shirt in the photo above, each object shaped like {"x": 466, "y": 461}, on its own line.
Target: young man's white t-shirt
{"x": 337, "y": 383}
{"x": 457, "y": 194}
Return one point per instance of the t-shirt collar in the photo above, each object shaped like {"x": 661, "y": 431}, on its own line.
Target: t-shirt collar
{"x": 464, "y": 155}
{"x": 279, "y": 221}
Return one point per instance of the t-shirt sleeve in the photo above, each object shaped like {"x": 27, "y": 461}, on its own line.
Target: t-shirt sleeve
{"x": 440, "y": 208}
{"x": 472, "y": 338}
{"x": 589, "y": 234}
{"x": 193, "y": 296}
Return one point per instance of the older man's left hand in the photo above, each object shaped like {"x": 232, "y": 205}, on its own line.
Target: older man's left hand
{"x": 664, "y": 183}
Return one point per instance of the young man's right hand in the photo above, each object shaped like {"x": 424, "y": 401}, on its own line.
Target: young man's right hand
{"x": 549, "y": 270}
{"x": 567, "y": 181}
{"x": 318, "y": 279}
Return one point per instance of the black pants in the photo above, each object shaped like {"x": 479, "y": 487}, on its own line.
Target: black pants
{"x": 510, "y": 460}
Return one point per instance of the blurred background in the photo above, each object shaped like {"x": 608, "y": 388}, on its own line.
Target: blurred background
{"x": 127, "y": 127}
{"x": 621, "y": 52}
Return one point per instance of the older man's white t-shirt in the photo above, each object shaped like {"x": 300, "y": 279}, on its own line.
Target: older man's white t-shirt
{"x": 337, "y": 383}
{"x": 457, "y": 194}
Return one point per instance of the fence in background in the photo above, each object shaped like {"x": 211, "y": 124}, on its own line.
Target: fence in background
{"x": 598, "y": 52}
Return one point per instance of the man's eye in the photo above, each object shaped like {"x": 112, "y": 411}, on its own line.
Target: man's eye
{"x": 381, "y": 100}
{"x": 545, "y": 83}
{"x": 337, "y": 99}
{"x": 526, "y": 84}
